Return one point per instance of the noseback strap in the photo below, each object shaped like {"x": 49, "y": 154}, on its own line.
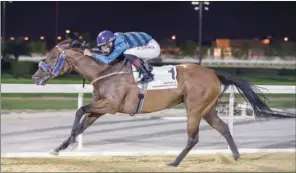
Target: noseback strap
{"x": 57, "y": 68}
{"x": 59, "y": 65}
{"x": 44, "y": 66}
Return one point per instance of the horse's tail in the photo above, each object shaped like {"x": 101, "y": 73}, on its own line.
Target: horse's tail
{"x": 247, "y": 90}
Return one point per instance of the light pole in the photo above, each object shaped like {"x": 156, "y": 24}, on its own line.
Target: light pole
{"x": 4, "y": 23}
{"x": 199, "y": 6}
{"x": 56, "y": 20}
{"x": 4, "y": 19}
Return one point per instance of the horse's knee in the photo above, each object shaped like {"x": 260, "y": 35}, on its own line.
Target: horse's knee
{"x": 82, "y": 110}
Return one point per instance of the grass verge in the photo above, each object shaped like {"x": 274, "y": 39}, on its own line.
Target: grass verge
{"x": 255, "y": 79}
{"x": 69, "y": 101}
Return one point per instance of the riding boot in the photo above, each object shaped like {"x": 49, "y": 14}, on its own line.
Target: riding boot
{"x": 147, "y": 75}
{"x": 135, "y": 61}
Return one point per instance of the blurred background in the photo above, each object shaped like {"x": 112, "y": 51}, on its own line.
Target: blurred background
{"x": 255, "y": 40}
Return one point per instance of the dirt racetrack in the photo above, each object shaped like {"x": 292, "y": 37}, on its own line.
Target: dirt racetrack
{"x": 261, "y": 162}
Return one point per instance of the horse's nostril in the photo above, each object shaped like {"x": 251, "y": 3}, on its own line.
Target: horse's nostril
{"x": 35, "y": 77}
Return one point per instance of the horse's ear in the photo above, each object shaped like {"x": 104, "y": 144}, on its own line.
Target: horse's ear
{"x": 85, "y": 45}
{"x": 71, "y": 41}
{"x": 75, "y": 44}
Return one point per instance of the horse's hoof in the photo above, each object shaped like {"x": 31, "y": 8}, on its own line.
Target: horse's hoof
{"x": 174, "y": 164}
{"x": 236, "y": 156}
{"x": 54, "y": 153}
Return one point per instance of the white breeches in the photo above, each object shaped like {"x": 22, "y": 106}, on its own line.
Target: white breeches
{"x": 151, "y": 50}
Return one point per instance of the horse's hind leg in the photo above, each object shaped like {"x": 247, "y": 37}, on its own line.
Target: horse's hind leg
{"x": 192, "y": 131}
{"x": 198, "y": 103}
{"x": 214, "y": 121}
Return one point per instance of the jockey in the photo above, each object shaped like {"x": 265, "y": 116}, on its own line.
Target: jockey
{"x": 133, "y": 45}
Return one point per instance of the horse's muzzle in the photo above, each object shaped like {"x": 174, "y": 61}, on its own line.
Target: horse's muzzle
{"x": 41, "y": 80}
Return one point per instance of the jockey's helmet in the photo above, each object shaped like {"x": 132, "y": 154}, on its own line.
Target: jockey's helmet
{"x": 105, "y": 41}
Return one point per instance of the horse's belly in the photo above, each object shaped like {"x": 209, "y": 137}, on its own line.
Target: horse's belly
{"x": 156, "y": 100}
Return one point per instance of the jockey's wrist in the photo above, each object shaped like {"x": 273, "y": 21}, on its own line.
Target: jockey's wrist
{"x": 93, "y": 55}
{"x": 96, "y": 57}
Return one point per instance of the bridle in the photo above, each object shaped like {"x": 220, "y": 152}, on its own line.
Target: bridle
{"x": 70, "y": 65}
{"x": 57, "y": 69}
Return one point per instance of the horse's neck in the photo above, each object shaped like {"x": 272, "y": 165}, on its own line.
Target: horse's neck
{"x": 91, "y": 70}
{"x": 116, "y": 67}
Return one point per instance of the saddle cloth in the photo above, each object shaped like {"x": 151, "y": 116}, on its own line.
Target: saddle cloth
{"x": 164, "y": 77}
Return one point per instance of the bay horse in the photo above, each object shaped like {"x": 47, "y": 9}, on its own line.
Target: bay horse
{"x": 199, "y": 88}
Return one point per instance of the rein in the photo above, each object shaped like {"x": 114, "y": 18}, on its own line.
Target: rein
{"x": 110, "y": 74}
{"x": 107, "y": 75}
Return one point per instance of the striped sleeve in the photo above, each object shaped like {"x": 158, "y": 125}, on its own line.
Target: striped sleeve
{"x": 118, "y": 50}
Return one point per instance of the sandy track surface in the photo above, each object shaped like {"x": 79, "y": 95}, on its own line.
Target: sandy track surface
{"x": 262, "y": 162}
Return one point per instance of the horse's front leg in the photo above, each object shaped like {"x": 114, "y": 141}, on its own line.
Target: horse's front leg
{"x": 87, "y": 121}
{"x": 79, "y": 114}
{"x": 96, "y": 109}
{"x": 72, "y": 138}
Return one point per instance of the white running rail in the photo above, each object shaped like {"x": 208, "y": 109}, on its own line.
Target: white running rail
{"x": 75, "y": 88}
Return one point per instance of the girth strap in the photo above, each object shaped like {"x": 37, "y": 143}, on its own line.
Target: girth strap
{"x": 141, "y": 96}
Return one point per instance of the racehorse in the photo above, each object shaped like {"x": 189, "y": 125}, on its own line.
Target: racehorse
{"x": 116, "y": 91}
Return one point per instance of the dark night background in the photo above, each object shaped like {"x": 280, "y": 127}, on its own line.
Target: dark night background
{"x": 160, "y": 19}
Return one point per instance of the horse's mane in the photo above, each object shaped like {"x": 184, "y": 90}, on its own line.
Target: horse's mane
{"x": 68, "y": 41}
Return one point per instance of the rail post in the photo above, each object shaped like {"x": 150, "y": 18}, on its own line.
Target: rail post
{"x": 244, "y": 109}
{"x": 231, "y": 111}
{"x": 80, "y": 104}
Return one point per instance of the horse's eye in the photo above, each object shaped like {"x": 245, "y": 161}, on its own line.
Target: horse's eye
{"x": 41, "y": 69}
